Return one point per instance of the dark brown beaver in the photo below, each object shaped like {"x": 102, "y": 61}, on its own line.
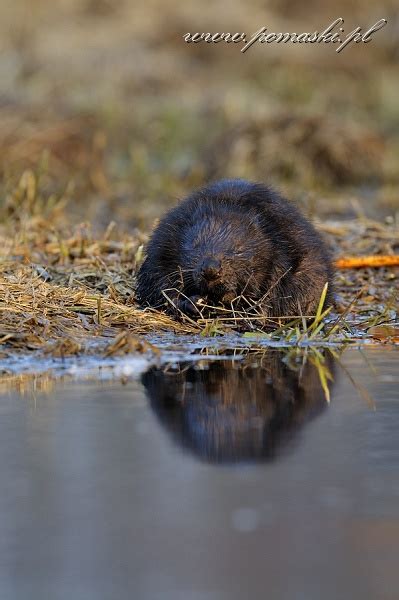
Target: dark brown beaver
{"x": 235, "y": 243}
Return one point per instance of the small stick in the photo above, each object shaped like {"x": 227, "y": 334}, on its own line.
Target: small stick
{"x": 99, "y": 310}
{"x": 376, "y": 260}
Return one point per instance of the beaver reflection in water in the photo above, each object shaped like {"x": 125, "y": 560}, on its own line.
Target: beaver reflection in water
{"x": 235, "y": 243}
{"x": 230, "y": 412}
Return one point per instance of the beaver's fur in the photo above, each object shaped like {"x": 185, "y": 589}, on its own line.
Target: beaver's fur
{"x": 232, "y": 240}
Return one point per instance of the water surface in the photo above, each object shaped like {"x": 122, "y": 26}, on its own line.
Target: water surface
{"x": 219, "y": 480}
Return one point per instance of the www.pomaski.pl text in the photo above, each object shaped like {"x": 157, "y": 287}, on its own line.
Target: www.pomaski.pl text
{"x": 334, "y": 33}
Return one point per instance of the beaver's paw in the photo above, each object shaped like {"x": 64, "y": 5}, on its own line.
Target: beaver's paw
{"x": 228, "y": 298}
{"x": 191, "y": 306}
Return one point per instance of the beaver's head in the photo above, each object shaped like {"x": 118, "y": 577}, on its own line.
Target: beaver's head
{"x": 225, "y": 258}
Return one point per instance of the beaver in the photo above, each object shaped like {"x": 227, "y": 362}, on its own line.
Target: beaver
{"x": 235, "y": 243}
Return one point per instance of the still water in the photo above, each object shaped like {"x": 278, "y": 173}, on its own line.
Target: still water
{"x": 214, "y": 480}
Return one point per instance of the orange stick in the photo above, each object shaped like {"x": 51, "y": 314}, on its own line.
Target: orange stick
{"x": 356, "y": 262}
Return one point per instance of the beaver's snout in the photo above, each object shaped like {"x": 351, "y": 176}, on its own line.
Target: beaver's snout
{"x": 210, "y": 269}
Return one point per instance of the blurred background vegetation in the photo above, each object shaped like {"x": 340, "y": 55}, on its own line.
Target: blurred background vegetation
{"x": 115, "y": 114}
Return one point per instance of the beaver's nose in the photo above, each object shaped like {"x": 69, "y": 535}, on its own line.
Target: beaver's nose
{"x": 210, "y": 268}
